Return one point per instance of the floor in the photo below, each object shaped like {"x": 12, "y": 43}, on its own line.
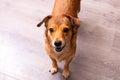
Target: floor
{"x": 22, "y": 53}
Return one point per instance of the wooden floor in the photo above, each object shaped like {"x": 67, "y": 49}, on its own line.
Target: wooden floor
{"x": 22, "y": 53}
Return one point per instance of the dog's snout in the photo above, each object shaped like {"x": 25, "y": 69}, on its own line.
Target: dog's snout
{"x": 57, "y": 43}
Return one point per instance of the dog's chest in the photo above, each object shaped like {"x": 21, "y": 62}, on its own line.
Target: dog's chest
{"x": 60, "y": 56}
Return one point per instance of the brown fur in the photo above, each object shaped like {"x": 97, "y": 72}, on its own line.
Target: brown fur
{"x": 62, "y": 25}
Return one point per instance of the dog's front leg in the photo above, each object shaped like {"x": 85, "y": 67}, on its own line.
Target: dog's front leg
{"x": 54, "y": 67}
{"x": 66, "y": 72}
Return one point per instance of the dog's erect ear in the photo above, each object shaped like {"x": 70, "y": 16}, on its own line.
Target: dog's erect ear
{"x": 75, "y": 22}
{"x": 45, "y": 20}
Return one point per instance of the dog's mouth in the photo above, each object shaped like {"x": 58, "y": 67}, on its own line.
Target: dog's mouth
{"x": 59, "y": 49}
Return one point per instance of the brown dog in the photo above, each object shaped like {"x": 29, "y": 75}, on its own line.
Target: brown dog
{"x": 61, "y": 33}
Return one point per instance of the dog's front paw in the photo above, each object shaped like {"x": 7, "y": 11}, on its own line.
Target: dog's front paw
{"x": 66, "y": 74}
{"x": 53, "y": 70}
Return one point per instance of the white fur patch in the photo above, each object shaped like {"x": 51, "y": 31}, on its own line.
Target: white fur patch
{"x": 53, "y": 70}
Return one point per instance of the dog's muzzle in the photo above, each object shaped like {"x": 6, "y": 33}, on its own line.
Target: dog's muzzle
{"x": 58, "y": 46}
{"x": 59, "y": 49}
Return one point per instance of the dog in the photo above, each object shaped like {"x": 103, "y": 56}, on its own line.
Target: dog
{"x": 61, "y": 33}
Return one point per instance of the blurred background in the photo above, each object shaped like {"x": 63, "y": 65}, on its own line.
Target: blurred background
{"x": 22, "y": 52}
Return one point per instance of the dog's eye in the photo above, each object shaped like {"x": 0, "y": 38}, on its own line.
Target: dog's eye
{"x": 51, "y": 30}
{"x": 65, "y": 30}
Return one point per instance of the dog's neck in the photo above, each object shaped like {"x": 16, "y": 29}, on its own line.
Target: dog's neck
{"x": 69, "y": 7}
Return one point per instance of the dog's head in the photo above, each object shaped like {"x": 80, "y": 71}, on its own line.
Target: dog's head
{"x": 60, "y": 30}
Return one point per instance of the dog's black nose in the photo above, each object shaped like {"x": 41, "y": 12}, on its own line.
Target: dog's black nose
{"x": 58, "y": 43}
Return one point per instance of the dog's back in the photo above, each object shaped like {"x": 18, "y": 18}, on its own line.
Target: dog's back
{"x": 69, "y": 7}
